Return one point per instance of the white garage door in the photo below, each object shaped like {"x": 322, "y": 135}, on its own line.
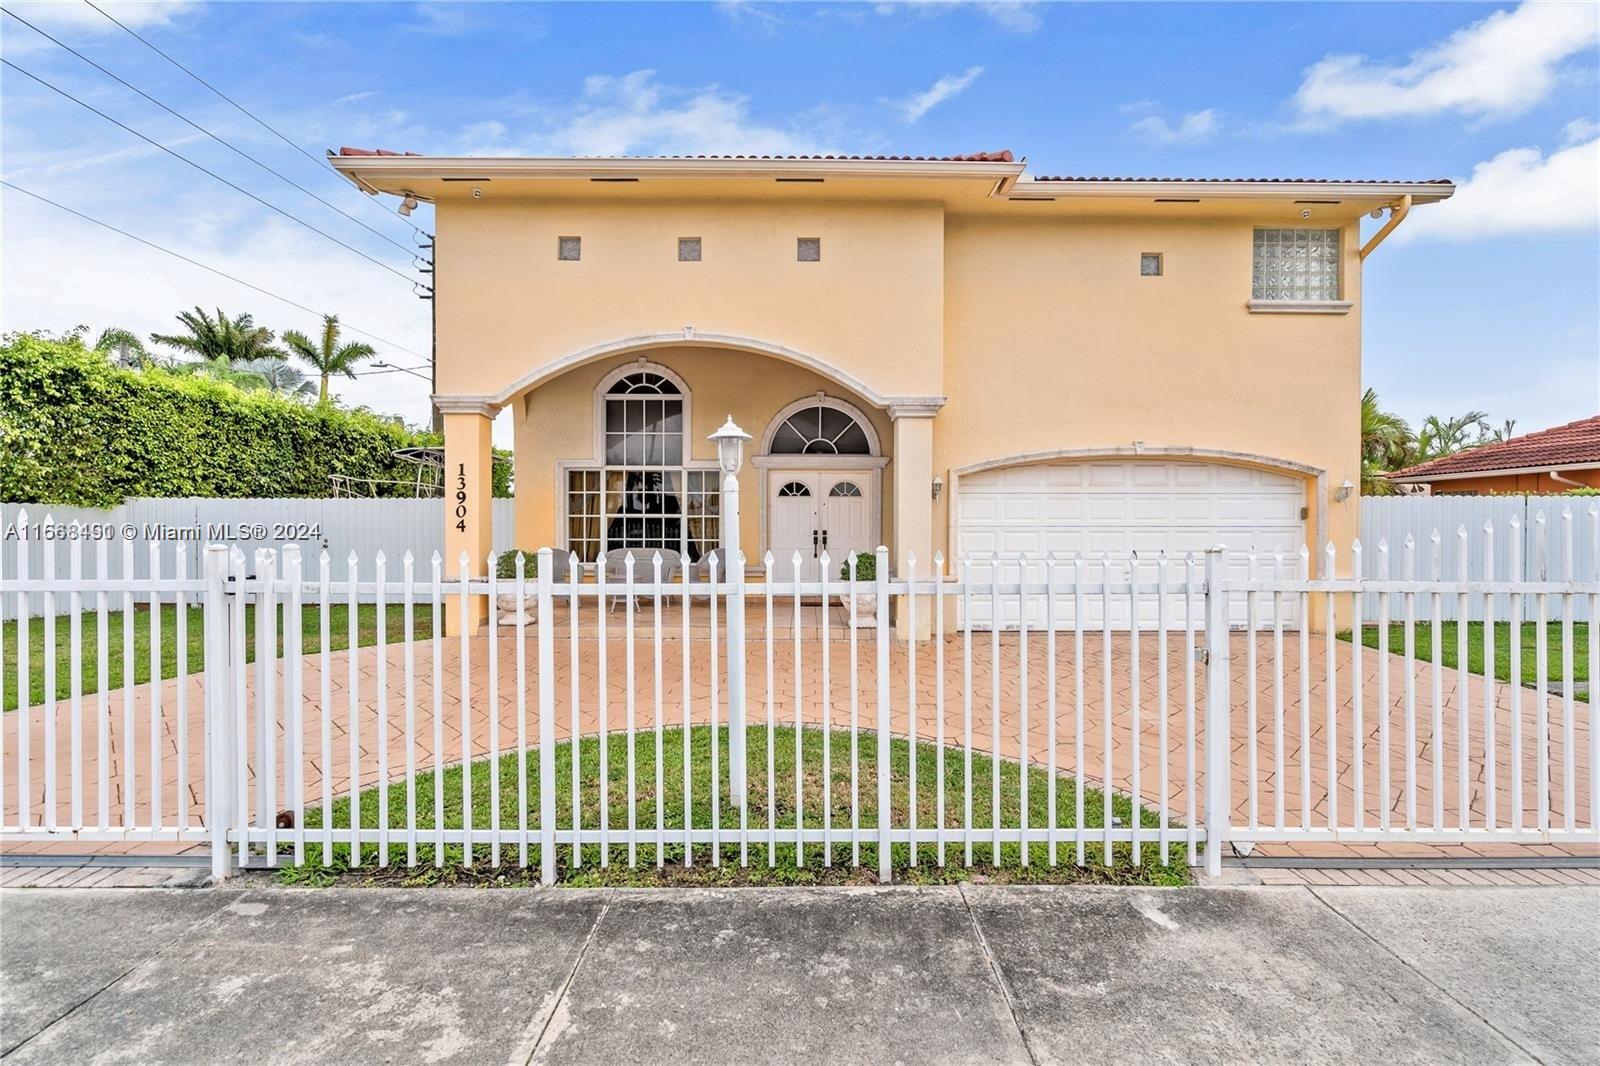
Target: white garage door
{"x": 1126, "y": 508}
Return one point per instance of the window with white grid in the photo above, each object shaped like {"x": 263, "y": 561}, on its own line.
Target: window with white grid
{"x": 1295, "y": 264}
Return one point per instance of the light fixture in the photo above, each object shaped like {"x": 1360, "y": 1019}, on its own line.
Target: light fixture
{"x": 1305, "y": 212}
{"x": 1344, "y": 491}
{"x": 408, "y": 205}
{"x": 477, "y": 194}
{"x": 938, "y": 486}
{"x": 730, "y": 446}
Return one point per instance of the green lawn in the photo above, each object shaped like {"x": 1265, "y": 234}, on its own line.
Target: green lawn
{"x": 787, "y": 871}
{"x": 310, "y": 628}
{"x": 1502, "y": 647}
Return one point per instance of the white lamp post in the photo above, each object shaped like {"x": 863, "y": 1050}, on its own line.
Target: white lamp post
{"x": 730, "y": 457}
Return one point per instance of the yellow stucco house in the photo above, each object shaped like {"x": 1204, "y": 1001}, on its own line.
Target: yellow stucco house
{"x": 937, "y": 354}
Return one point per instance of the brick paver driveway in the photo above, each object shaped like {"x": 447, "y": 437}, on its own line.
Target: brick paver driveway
{"x": 812, "y": 708}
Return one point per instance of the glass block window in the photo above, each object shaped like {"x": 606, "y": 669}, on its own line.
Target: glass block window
{"x": 1150, "y": 264}
{"x": 569, "y": 249}
{"x": 809, "y": 250}
{"x": 1295, "y": 264}
{"x": 688, "y": 249}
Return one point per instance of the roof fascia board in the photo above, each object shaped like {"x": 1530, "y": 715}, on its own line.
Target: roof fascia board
{"x": 358, "y": 168}
{"x": 1233, "y": 190}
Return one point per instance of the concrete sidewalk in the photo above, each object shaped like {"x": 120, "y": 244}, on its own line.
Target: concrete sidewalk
{"x": 976, "y": 974}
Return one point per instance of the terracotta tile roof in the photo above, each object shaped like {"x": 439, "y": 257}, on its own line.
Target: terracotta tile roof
{"x": 347, "y": 150}
{"x": 1575, "y": 442}
{"x": 1002, "y": 156}
{"x": 1271, "y": 181}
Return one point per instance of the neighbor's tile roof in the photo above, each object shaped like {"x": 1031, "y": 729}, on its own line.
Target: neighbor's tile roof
{"x": 1002, "y": 156}
{"x": 1575, "y": 442}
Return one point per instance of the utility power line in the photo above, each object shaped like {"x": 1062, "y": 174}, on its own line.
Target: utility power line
{"x": 226, "y": 144}
{"x": 204, "y": 266}
{"x": 237, "y": 188}
{"x": 320, "y": 163}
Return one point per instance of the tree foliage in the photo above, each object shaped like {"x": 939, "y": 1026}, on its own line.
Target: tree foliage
{"x": 228, "y": 339}
{"x": 76, "y": 429}
{"x": 329, "y": 357}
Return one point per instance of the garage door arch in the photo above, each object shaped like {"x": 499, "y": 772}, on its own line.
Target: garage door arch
{"x": 1122, "y": 501}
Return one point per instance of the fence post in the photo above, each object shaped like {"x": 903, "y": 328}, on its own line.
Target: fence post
{"x": 734, "y": 559}
{"x": 884, "y": 811}
{"x": 220, "y": 741}
{"x": 547, "y": 721}
{"x": 1219, "y": 768}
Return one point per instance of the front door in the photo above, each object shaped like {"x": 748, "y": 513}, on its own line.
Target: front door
{"x": 816, "y": 511}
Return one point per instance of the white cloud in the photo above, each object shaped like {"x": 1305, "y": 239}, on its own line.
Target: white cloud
{"x": 1194, "y": 128}
{"x": 1521, "y": 191}
{"x": 915, "y": 105}
{"x": 1497, "y": 67}
{"x": 1579, "y": 130}
{"x": 135, "y": 14}
{"x": 636, "y": 114}
{"x": 762, "y": 16}
{"x": 1017, "y": 16}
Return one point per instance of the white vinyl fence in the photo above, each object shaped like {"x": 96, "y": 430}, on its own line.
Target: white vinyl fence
{"x": 337, "y": 526}
{"x": 1520, "y": 538}
{"x": 737, "y": 721}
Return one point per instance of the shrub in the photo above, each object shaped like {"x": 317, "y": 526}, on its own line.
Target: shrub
{"x": 77, "y": 430}
{"x": 866, "y": 567}
{"x": 505, "y": 566}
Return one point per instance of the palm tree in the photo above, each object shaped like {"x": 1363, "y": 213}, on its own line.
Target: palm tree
{"x": 1439, "y": 437}
{"x": 277, "y": 375}
{"x": 229, "y": 339}
{"x": 1385, "y": 445}
{"x": 330, "y": 357}
{"x": 124, "y": 344}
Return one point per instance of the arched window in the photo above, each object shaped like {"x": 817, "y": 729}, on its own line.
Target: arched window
{"x": 646, "y": 495}
{"x": 845, "y": 488}
{"x": 794, "y": 488}
{"x": 821, "y": 429}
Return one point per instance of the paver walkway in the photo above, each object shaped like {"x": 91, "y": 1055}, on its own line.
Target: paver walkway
{"x": 353, "y": 689}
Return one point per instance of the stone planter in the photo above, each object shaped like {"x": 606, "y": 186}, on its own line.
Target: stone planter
{"x": 863, "y": 609}
{"x": 507, "y": 607}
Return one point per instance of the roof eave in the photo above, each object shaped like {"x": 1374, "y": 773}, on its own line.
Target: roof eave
{"x": 374, "y": 173}
{"x": 1404, "y": 478}
{"x": 1419, "y": 191}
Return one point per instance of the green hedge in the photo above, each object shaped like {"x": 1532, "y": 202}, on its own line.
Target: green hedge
{"x": 74, "y": 429}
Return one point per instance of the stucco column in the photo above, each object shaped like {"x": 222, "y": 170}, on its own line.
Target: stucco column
{"x": 468, "y": 489}
{"x": 912, "y": 487}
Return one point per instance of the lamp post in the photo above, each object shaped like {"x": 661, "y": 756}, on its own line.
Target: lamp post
{"x": 730, "y": 440}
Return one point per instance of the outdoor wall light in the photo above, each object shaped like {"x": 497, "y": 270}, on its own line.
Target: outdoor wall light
{"x": 938, "y": 486}
{"x": 1344, "y": 491}
{"x": 408, "y": 205}
{"x": 730, "y": 446}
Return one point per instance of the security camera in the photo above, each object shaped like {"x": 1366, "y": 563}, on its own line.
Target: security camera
{"x": 408, "y": 205}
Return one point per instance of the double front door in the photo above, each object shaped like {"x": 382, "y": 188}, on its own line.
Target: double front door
{"x": 817, "y": 511}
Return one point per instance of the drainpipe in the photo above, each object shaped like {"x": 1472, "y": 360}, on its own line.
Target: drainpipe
{"x": 1397, "y": 215}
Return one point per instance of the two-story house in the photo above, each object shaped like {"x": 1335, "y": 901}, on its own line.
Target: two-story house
{"x": 937, "y": 354}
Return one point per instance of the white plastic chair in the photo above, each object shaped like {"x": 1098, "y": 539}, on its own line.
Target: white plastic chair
{"x": 616, "y": 569}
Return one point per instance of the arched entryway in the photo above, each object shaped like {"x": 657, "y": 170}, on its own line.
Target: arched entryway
{"x": 821, "y": 464}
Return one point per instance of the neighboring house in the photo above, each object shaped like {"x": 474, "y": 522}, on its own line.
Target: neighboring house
{"x": 938, "y": 354}
{"x": 1559, "y": 459}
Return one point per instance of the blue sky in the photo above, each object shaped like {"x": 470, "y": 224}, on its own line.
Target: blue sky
{"x": 1491, "y": 301}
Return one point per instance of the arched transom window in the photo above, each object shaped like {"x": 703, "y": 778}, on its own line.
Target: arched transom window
{"x": 647, "y": 495}
{"x": 821, "y": 429}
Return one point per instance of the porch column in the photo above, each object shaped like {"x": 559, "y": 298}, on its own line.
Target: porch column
{"x": 912, "y": 482}
{"x": 468, "y": 489}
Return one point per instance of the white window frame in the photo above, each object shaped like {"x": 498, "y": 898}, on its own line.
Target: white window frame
{"x": 596, "y": 461}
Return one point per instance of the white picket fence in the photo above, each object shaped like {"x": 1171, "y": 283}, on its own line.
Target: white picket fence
{"x": 337, "y": 526}
{"x": 766, "y": 696}
{"x": 1522, "y": 538}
